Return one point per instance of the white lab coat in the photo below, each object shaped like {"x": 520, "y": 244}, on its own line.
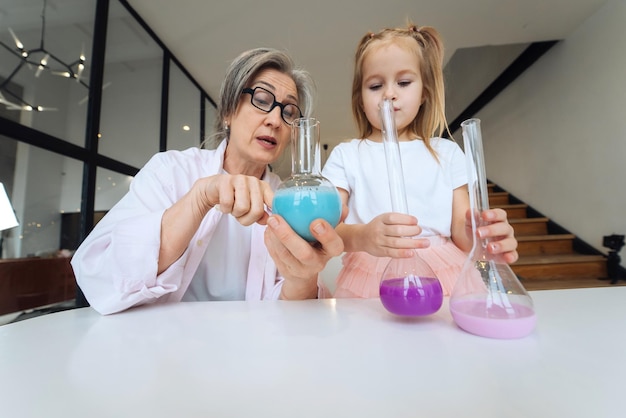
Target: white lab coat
{"x": 116, "y": 265}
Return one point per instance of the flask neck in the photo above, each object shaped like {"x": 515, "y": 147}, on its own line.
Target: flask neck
{"x": 393, "y": 158}
{"x": 305, "y": 147}
{"x": 477, "y": 185}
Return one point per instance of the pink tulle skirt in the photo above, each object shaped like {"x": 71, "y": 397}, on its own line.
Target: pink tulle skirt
{"x": 361, "y": 272}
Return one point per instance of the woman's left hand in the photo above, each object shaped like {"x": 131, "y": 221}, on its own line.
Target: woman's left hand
{"x": 297, "y": 260}
{"x": 500, "y": 233}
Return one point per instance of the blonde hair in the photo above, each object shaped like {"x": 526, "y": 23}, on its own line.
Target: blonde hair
{"x": 426, "y": 43}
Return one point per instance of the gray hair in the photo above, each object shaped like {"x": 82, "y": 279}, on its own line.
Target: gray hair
{"x": 245, "y": 67}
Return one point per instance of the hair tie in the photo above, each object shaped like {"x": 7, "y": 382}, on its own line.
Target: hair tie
{"x": 414, "y": 29}
{"x": 371, "y": 35}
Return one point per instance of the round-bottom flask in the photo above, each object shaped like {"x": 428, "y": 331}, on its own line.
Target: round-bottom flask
{"x": 408, "y": 286}
{"x": 488, "y": 299}
{"x": 306, "y": 195}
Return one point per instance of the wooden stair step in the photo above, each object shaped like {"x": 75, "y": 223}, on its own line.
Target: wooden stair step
{"x": 547, "y": 261}
{"x": 513, "y": 211}
{"x": 568, "y": 283}
{"x": 545, "y": 244}
{"x": 529, "y": 226}
{"x": 498, "y": 198}
{"x": 564, "y": 266}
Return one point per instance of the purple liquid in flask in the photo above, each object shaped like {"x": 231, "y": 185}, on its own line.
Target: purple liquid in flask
{"x": 408, "y": 286}
{"x": 411, "y": 296}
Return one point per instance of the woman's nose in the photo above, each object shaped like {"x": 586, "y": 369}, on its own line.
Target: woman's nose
{"x": 274, "y": 117}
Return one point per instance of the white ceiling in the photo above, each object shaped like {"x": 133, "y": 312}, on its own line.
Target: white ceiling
{"x": 322, "y": 35}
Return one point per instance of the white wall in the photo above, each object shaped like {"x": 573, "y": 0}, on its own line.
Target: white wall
{"x": 556, "y": 138}
{"x": 471, "y": 70}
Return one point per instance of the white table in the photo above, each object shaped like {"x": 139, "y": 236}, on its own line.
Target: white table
{"x": 327, "y": 358}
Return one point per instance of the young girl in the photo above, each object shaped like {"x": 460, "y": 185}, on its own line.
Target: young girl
{"x": 405, "y": 65}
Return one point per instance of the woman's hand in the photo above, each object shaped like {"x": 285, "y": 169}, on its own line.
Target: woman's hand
{"x": 499, "y": 232}
{"x": 243, "y": 197}
{"x": 297, "y": 260}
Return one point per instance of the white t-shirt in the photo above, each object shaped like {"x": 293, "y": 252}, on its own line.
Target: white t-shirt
{"x": 359, "y": 167}
{"x": 222, "y": 272}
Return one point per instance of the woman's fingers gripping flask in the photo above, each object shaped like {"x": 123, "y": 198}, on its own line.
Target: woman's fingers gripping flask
{"x": 408, "y": 286}
{"x": 488, "y": 299}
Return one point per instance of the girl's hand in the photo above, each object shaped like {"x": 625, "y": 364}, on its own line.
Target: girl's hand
{"x": 390, "y": 235}
{"x": 297, "y": 260}
{"x": 500, "y": 233}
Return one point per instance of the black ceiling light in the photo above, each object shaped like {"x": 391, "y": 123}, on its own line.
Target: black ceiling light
{"x": 41, "y": 59}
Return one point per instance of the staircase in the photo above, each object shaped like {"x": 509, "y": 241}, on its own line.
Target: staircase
{"x": 549, "y": 257}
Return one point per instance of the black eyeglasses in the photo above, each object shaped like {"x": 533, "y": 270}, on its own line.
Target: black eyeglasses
{"x": 266, "y": 101}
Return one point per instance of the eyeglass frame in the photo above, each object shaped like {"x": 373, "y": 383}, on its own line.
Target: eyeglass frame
{"x": 282, "y": 106}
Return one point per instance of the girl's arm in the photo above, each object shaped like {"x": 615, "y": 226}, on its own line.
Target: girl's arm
{"x": 461, "y": 229}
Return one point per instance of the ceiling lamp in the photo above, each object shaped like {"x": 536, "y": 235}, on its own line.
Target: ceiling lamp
{"x": 41, "y": 59}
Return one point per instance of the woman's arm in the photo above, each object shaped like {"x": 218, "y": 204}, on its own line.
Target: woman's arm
{"x": 243, "y": 197}
{"x": 116, "y": 265}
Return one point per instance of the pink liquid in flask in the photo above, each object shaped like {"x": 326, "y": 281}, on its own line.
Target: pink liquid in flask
{"x": 514, "y": 321}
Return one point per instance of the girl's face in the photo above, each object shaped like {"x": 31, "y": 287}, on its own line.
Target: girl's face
{"x": 258, "y": 138}
{"x": 390, "y": 71}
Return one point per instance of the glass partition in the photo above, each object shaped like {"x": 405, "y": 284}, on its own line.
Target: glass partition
{"x": 45, "y": 67}
{"x": 210, "y": 114}
{"x": 183, "y": 126}
{"x": 41, "y": 186}
{"x": 56, "y": 143}
{"x": 131, "y": 96}
{"x": 110, "y": 188}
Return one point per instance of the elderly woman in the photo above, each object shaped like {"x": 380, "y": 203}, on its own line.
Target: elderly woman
{"x": 194, "y": 225}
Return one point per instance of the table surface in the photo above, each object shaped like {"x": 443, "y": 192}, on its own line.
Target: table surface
{"x": 334, "y": 358}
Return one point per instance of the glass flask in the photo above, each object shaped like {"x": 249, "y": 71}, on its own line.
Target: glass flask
{"x": 488, "y": 299}
{"x": 306, "y": 195}
{"x": 408, "y": 286}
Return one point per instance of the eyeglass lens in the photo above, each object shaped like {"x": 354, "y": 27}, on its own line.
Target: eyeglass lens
{"x": 266, "y": 101}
